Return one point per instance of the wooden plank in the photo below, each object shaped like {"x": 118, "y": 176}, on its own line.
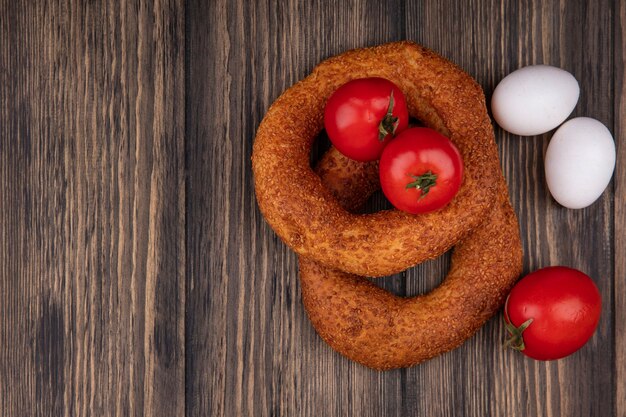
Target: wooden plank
{"x": 92, "y": 226}
{"x": 209, "y": 158}
{"x": 619, "y": 132}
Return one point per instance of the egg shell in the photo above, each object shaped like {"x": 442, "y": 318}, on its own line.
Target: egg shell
{"x": 579, "y": 162}
{"x": 534, "y": 100}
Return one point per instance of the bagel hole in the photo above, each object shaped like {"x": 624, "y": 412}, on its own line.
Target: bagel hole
{"x": 320, "y": 145}
{"x": 420, "y": 279}
{"x": 376, "y": 202}
{"x": 414, "y": 122}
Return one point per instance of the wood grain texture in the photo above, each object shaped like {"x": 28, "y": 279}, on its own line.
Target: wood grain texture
{"x": 619, "y": 228}
{"x": 92, "y": 225}
{"x": 270, "y": 360}
{"x": 137, "y": 276}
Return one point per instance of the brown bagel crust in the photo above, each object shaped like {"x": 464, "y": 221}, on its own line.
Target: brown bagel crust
{"x": 306, "y": 215}
{"x": 382, "y": 331}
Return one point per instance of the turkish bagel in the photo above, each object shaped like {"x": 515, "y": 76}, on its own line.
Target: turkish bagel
{"x": 313, "y": 213}
{"x": 380, "y": 330}
{"x": 306, "y": 215}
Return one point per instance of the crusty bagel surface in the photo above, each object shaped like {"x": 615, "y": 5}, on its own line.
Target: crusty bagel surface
{"x": 382, "y": 331}
{"x": 306, "y": 215}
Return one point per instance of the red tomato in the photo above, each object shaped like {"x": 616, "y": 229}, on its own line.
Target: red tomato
{"x": 552, "y": 312}
{"x": 420, "y": 170}
{"x": 363, "y": 115}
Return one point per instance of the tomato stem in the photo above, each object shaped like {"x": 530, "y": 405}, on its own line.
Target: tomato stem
{"x": 389, "y": 123}
{"x": 516, "y": 341}
{"x": 423, "y": 182}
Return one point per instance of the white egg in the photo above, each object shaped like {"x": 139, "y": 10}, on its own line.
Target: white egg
{"x": 579, "y": 162}
{"x": 534, "y": 99}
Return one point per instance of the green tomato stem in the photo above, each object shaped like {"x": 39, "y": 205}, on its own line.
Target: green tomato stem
{"x": 423, "y": 182}
{"x": 389, "y": 123}
{"x": 516, "y": 341}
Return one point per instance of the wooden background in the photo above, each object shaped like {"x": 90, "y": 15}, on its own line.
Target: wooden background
{"x": 137, "y": 276}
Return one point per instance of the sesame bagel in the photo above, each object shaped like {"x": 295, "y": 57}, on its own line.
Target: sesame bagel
{"x": 310, "y": 219}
